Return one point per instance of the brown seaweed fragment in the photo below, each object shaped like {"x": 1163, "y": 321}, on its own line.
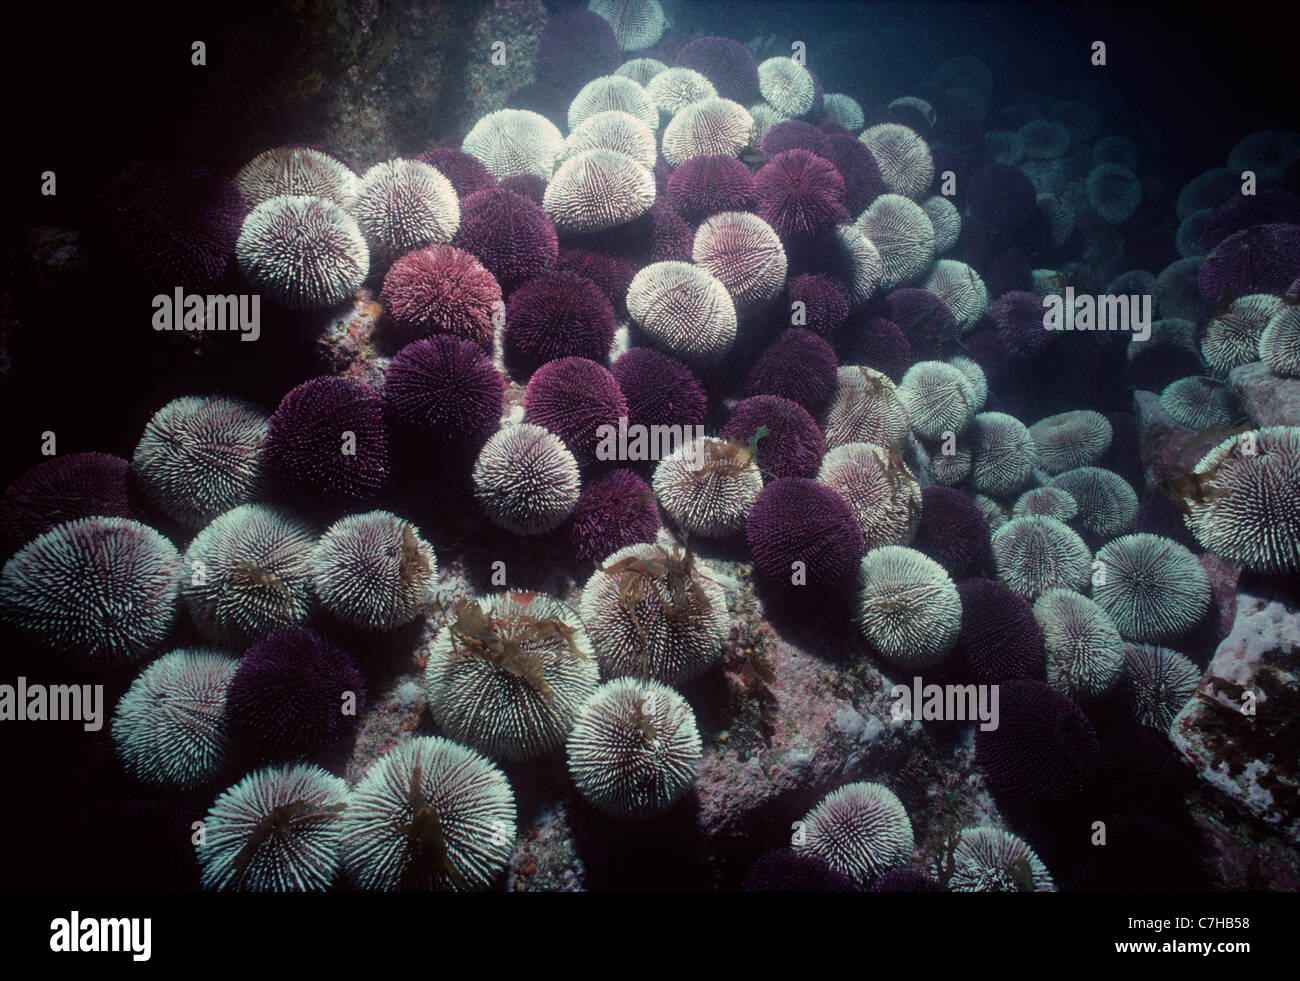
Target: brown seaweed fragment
{"x": 278, "y": 821}
{"x": 430, "y": 857}
{"x": 519, "y": 653}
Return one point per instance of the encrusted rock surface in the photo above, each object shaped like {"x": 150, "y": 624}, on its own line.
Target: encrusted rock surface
{"x": 1268, "y": 399}
{"x": 1240, "y": 730}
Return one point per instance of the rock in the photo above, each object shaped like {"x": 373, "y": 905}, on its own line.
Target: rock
{"x": 812, "y": 739}
{"x": 1268, "y": 399}
{"x": 1242, "y": 855}
{"x": 1160, "y": 439}
{"x": 368, "y": 81}
{"x": 349, "y": 342}
{"x": 1223, "y": 576}
{"x": 1252, "y": 758}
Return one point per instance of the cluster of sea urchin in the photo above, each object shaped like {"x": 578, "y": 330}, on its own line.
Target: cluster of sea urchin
{"x": 853, "y": 357}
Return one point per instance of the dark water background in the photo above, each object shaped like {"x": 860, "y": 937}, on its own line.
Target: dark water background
{"x": 89, "y": 88}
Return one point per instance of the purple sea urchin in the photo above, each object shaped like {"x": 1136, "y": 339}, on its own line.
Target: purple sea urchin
{"x": 705, "y": 185}
{"x": 858, "y": 169}
{"x": 294, "y": 693}
{"x": 1266, "y": 207}
{"x": 794, "y": 134}
{"x": 1018, "y": 320}
{"x": 1044, "y": 747}
{"x": 726, "y": 63}
{"x": 508, "y": 233}
{"x": 576, "y": 45}
{"x": 466, "y": 173}
{"x": 802, "y": 534}
{"x": 557, "y": 315}
{"x": 786, "y": 870}
{"x": 800, "y": 195}
{"x": 999, "y": 640}
{"x": 164, "y": 226}
{"x": 444, "y": 391}
{"x": 442, "y": 290}
{"x": 613, "y": 512}
{"x": 1262, "y": 259}
{"x": 798, "y": 366}
{"x": 953, "y": 532}
{"x": 634, "y": 749}
{"x": 328, "y": 443}
{"x": 1001, "y": 198}
{"x": 789, "y": 444}
{"x": 613, "y": 274}
{"x": 65, "y": 488}
{"x": 574, "y": 398}
{"x": 925, "y": 321}
{"x": 660, "y": 391}
{"x": 821, "y": 302}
